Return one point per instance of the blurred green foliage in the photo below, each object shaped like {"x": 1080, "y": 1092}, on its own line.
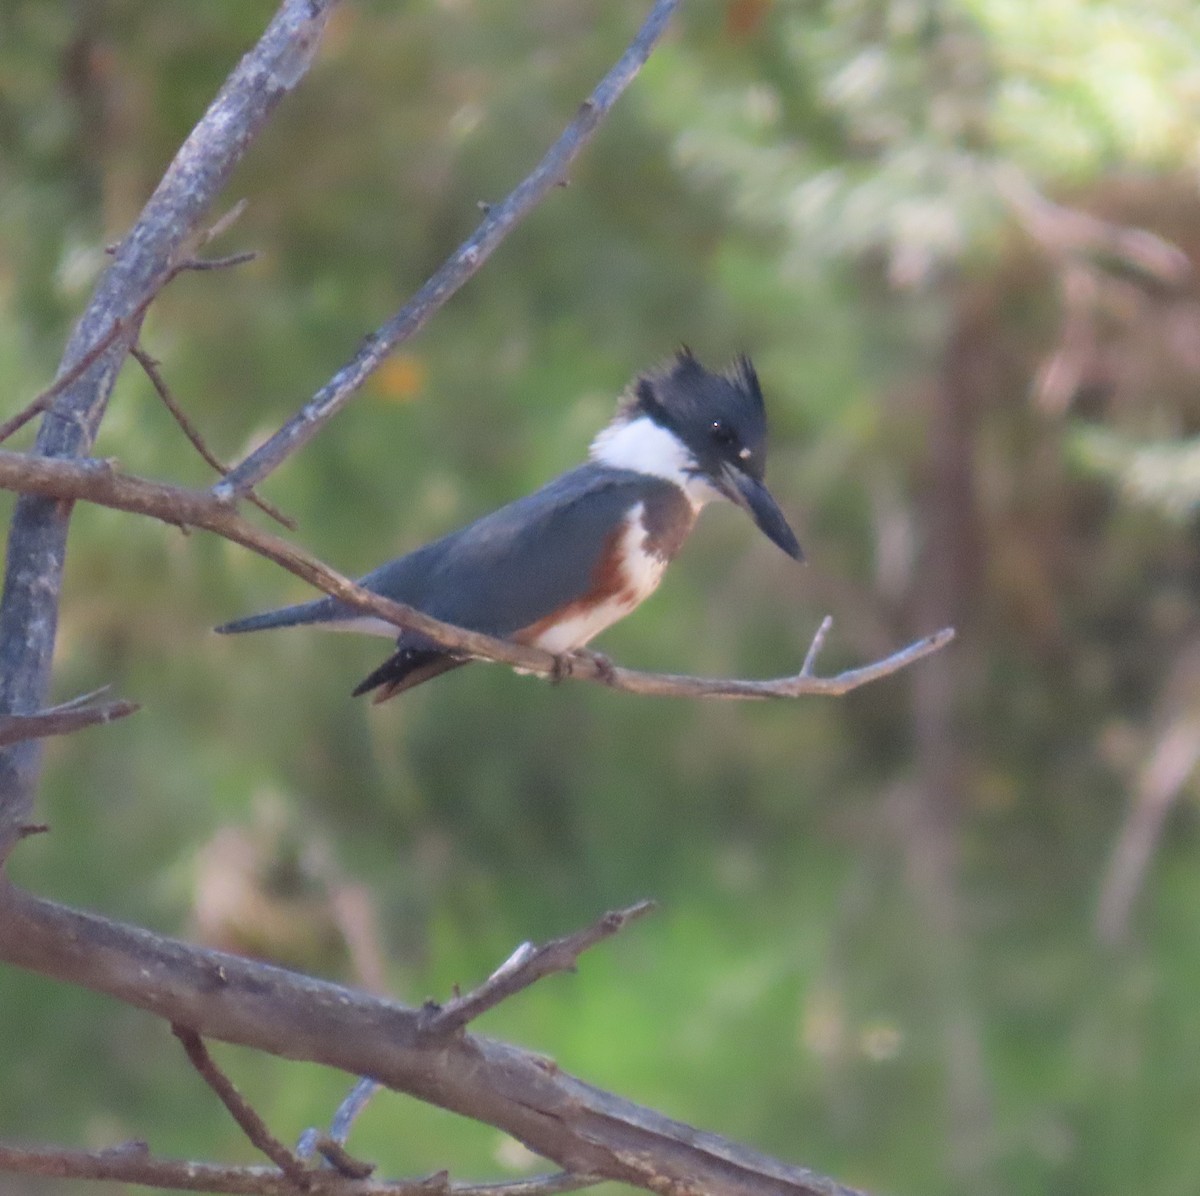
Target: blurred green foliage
{"x": 883, "y": 950}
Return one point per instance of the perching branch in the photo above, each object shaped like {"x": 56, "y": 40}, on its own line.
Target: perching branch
{"x": 499, "y": 221}
{"x": 581, "y": 1128}
{"x": 98, "y": 481}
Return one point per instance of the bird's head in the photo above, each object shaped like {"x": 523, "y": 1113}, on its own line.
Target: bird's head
{"x": 705, "y": 432}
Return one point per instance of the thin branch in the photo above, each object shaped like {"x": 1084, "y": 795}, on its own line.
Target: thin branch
{"x": 315, "y": 1141}
{"x": 1062, "y": 231}
{"x": 814, "y": 649}
{"x": 1162, "y": 779}
{"x": 159, "y": 383}
{"x": 581, "y": 1128}
{"x": 218, "y": 263}
{"x": 340, "y": 1159}
{"x": 499, "y": 221}
{"x": 98, "y": 481}
{"x": 122, "y": 324}
{"x": 222, "y": 225}
{"x": 132, "y": 1163}
{"x": 524, "y": 967}
{"x": 240, "y": 1109}
{"x": 40, "y": 402}
{"x": 538, "y": 1185}
{"x": 60, "y": 721}
{"x": 348, "y": 1111}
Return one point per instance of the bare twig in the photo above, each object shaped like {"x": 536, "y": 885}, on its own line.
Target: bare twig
{"x": 154, "y": 374}
{"x": 132, "y": 1163}
{"x": 40, "y": 402}
{"x": 218, "y": 263}
{"x": 498, "y": 222}
{"x": 814, "y": 649}
{"x": 240, "y": 1109}
{"x": 62, "y": 720}
{"x": 97, "y": 481}
{"x": 581, "y": 1128}
{"x": 340, "y": 1159}
{"x": 537, "y": 1185}
{"x": 314, "y": 1141}
{"x": 348, "y": 1111}
{"x": 525, "y": 966}
{"x": 1162, "y": 779}
{"x": 221, "y": 225}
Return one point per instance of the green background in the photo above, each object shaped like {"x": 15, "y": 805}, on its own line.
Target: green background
{"x": 881, "y": 950}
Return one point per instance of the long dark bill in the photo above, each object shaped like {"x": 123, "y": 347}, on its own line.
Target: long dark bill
{"x": 754, "y": 497}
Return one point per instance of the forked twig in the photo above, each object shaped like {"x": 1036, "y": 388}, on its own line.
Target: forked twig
{"x": 159, "y": 383}
{"x": 121, "y": 324}
{"x": 525, "y": 966}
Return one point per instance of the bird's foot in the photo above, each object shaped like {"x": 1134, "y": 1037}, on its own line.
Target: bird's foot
{"x": 604, "y": 667}
{"x": 567, "y": 663}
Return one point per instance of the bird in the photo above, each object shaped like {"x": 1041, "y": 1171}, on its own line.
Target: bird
{"x": 557, "y": 567}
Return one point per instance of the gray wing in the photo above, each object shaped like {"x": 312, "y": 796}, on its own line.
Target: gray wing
{"x": 522, "y": 562}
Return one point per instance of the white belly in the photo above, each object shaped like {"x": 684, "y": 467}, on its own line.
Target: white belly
{"x": 640, "y": 574}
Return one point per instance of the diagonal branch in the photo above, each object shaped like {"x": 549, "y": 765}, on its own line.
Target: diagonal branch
{"x": 98, "y": 481}
{"x": 159, "y": 383}
{"x": 525, "y": 966}
{"x": 583, "y": 1129}
{"x": 240, "y": 1109}
{"x": 499, "y": 221}
{"x": 42, "y": 401}
{"x": 331, "y": 1144}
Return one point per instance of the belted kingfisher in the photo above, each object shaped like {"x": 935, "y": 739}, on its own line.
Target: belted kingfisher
{"x": 555, "y": 568}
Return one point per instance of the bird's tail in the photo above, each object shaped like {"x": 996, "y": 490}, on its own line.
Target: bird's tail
{"x": 320, "y": 610}
{"x": 408, "y": 668}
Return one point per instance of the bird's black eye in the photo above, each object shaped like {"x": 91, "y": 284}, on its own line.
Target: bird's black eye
{"x": 723, "y": 434}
